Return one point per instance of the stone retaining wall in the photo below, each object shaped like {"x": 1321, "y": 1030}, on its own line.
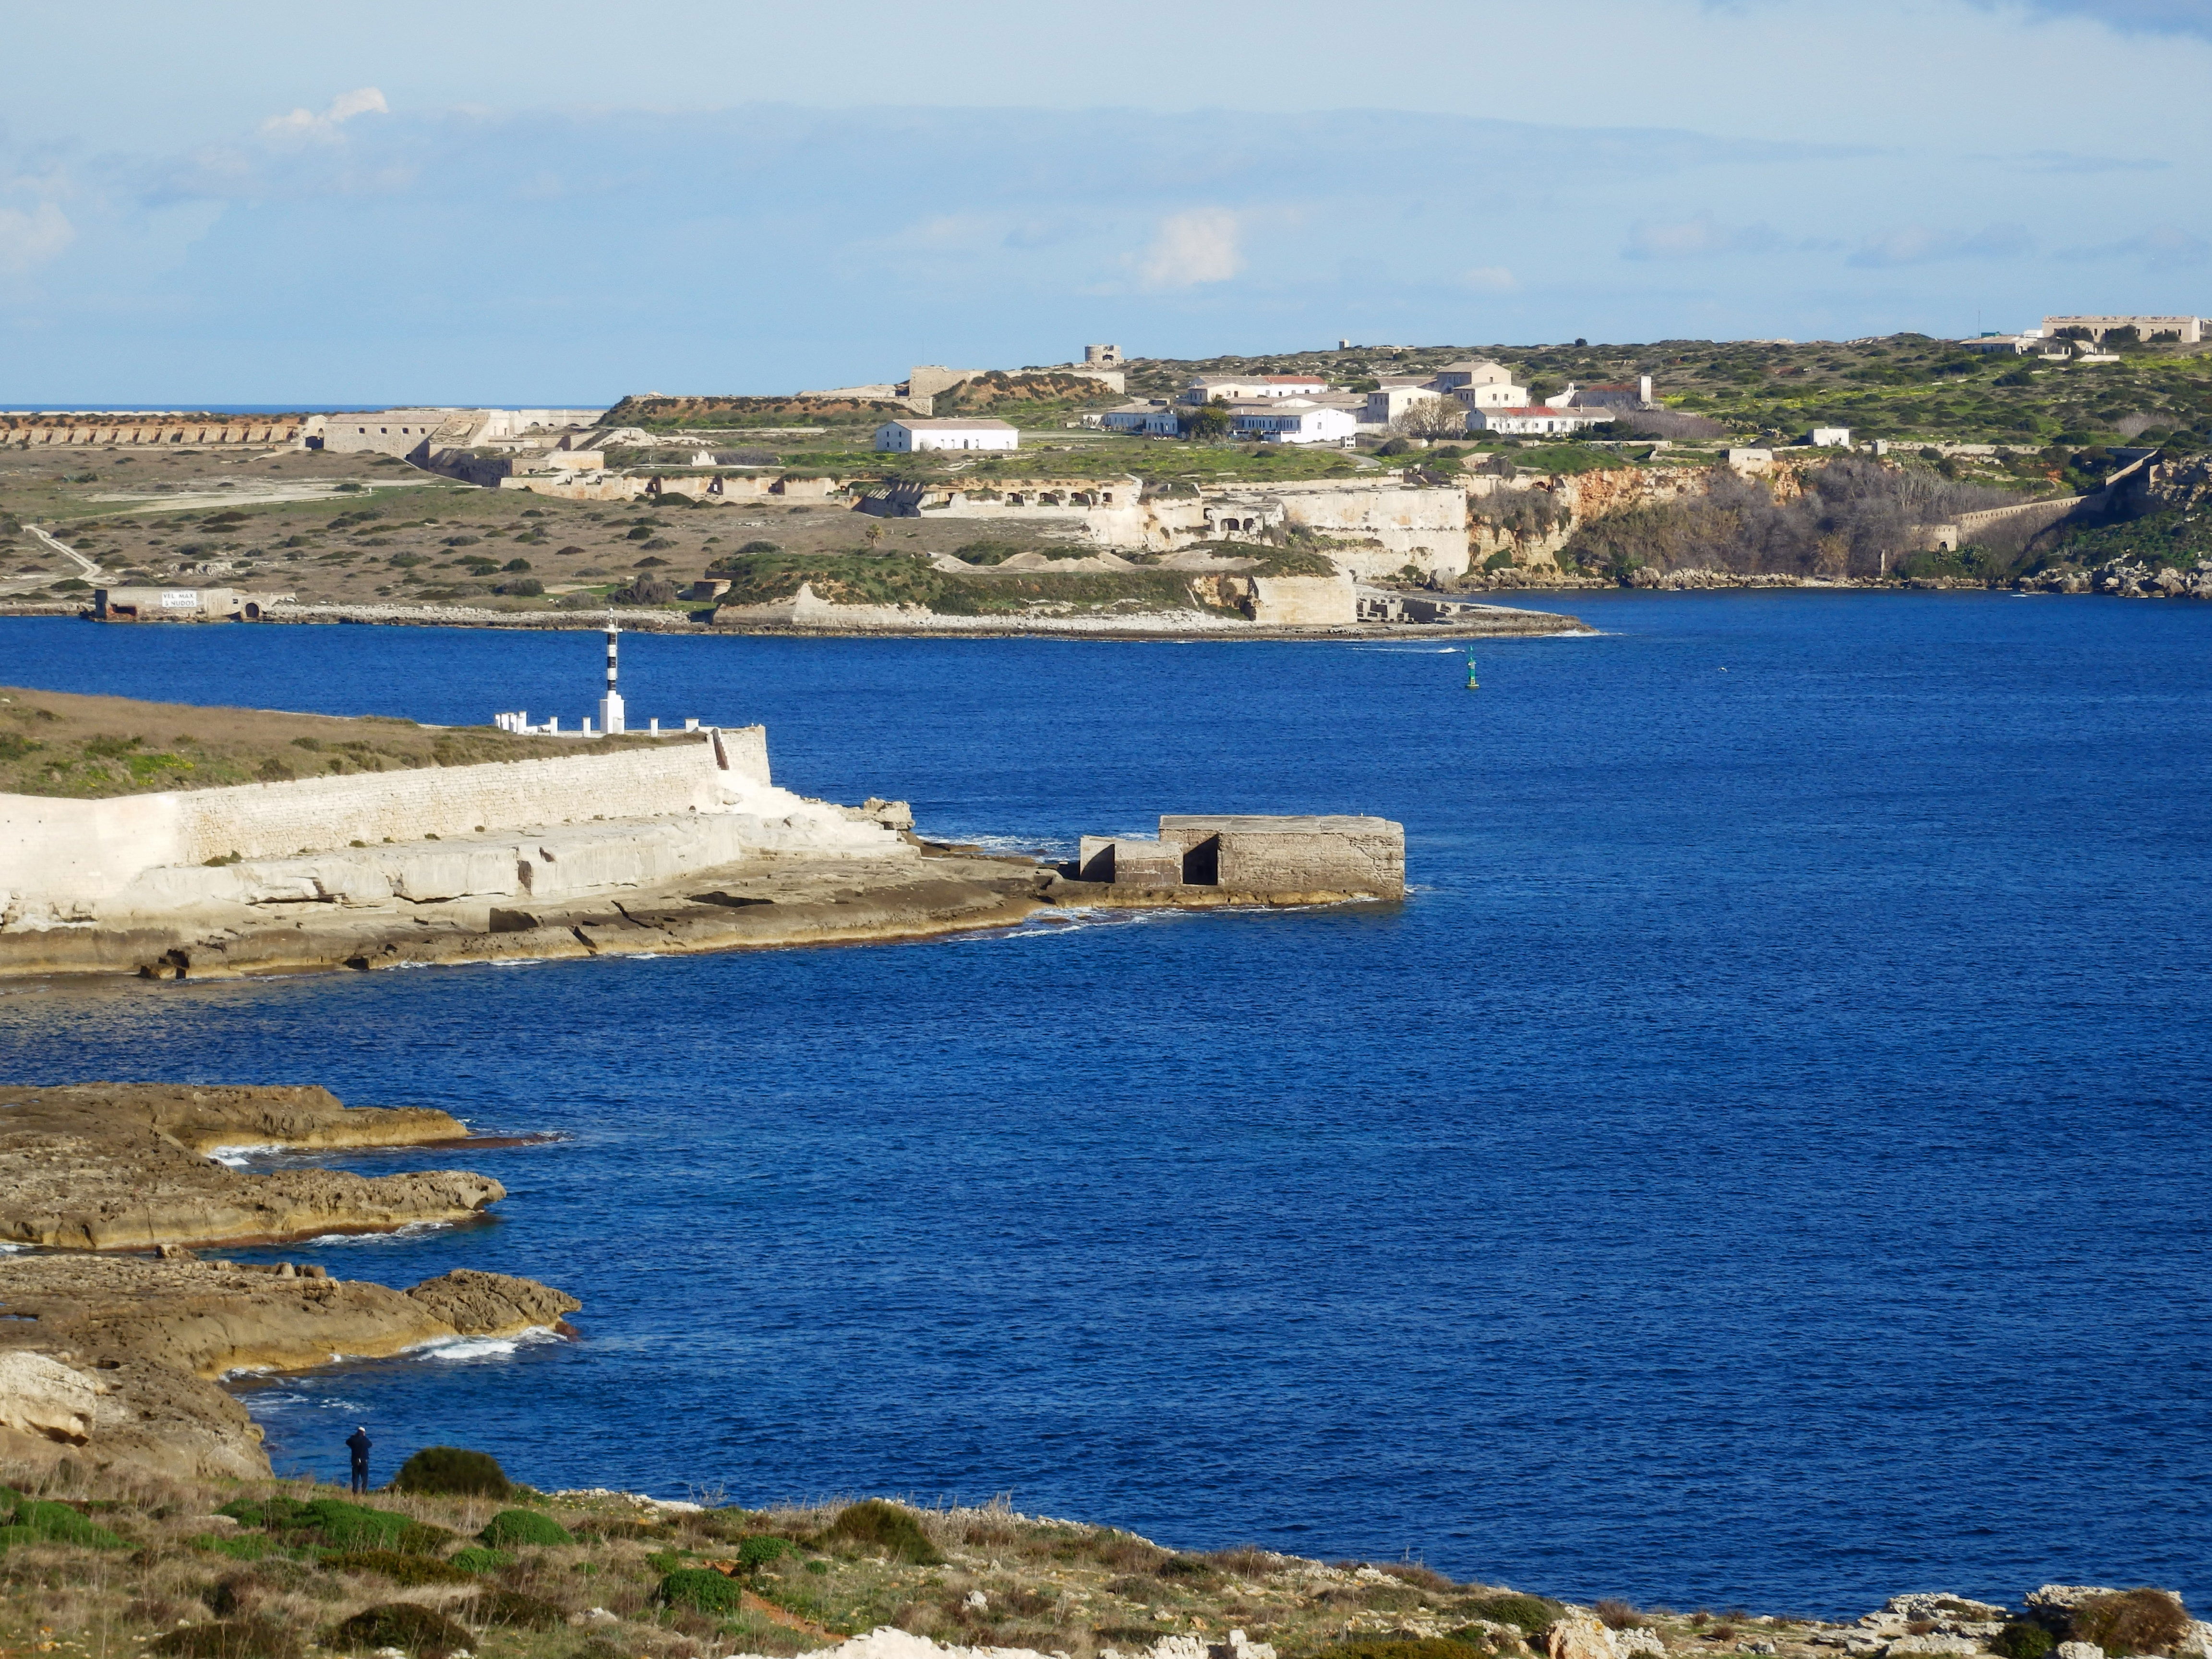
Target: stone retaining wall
{"x": 87, "y": 851}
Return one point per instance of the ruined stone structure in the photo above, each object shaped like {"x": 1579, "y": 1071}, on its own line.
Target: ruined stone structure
{"x": 180, "y": 604}
{"x": 147, "y": 432}
{"x": 2188, "y": 330}
{"x": 1250, "y": 859}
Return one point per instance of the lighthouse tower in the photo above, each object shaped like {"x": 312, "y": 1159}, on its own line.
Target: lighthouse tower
{"x": 610, "y": 706}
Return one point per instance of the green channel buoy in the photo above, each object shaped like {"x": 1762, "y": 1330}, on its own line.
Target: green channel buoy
{"x": 1472, "y": 682}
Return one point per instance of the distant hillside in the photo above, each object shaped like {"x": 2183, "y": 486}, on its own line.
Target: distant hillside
{"x": 1904, "y": 387}
{"x": 1009, "y": 396}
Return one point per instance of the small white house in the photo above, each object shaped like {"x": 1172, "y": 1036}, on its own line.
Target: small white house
{"x": 1294, "y": 421}
{"x": 1387, "y": 403}
{"x": 1154, "y": 419}
{"x": 1831, "y": 437}
{"x": 905, "y": 437}
{"x": 1534, "y": 419}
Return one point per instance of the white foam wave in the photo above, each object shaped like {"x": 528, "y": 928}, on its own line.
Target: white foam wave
{"x": 399, "y": 1235}
{"x": 485, "y": 1347}
{"x": 236, "y": 1157}
{"x": 1020, "y": 846}
{"x": 1071, "y": 918}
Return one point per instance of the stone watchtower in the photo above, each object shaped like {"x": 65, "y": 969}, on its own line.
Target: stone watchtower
{"x": 1102, "y": 357}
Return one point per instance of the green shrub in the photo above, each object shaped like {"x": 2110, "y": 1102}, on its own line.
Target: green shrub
{"x": 12, "y": 1535}
{"x": 1187, "y": 1566}
{"x": 2140, "y": 1620}
{"x": 759, "y": 1551}
{"x": 524, "y": 1527}
{"x": 1532, "y": 1614}
{"x": 403, "y": 1625}
{"x": 515, "y": 1610}
{"x": 702, "y": 1588}
{"x": 345, "y": 1525}
{"x": 477, "y": 1558}
{"x": 890, "y": 1528}
{"x": 400, "y": 1569}
{"x": 273, "y": 1514}
{"x": 2024, "y": 1642}
{"x": 455, "y": 1473}
{"x": 58, "y": 1523}
{"x": 230, "y": 1639}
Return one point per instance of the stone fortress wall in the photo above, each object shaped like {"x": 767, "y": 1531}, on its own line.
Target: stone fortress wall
{"x": 88, "y": 851}
{"x": 111, "y": 432}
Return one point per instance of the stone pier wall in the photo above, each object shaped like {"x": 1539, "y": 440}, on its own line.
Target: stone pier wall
{"x": 86, "y": 850}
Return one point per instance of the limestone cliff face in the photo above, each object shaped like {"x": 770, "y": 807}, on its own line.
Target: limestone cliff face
{"x": 1531, "y": 516}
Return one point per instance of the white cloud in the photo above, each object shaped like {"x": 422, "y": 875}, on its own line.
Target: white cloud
{"x": 1197, "y": 246}
{"x": 1701, "y": 236}
{"x": 2165, "y": 247}
{"x": 1918, "y": 244}
{"x": 1490, "y": 279}
{"x": 32, "y": 238}
{"x": 306, "y": 124}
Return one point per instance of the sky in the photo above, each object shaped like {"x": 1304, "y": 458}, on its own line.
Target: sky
{"x": 563, "y": 203}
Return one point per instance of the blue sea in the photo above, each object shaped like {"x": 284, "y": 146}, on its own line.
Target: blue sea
{"x": 1767, "y": 1160}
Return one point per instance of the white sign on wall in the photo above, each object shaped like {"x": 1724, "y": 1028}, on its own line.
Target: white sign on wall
{"x": 181, "y": 599}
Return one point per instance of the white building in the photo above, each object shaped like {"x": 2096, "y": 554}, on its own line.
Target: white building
{"x": 905, "y": 437}
{"x": 1616, "y": 395}
{"x": 2188, "y": 330}
{"x": 1390, "y": 402}
{"x": 1831, "y": 437}
{"x": 1294, "y": 421}
{"x": 1527, "y": 420}
{"x": 1248, "y": 388}
{"x": 1156, "y": 418}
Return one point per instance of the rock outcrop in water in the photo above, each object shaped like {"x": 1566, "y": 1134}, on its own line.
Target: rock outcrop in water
{"x": 114, "y": 1359}
{"x": 109, "y": 1166}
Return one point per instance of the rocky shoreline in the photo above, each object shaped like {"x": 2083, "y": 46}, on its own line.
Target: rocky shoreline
{"x": 114, "y": 1335}
{"x": 113, "y": 1416}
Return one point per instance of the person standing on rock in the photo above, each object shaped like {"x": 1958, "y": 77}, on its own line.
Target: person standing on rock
{"x": 358, "y": 1443}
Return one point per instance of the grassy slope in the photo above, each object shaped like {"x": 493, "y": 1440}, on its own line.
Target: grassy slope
{"x": 169, "y": 1579}
{"x": 53, "y": 743}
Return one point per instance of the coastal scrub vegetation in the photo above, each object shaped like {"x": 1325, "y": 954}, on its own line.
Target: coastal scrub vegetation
{"x": 58, "y": 743}
{"x": 861, "y": 577}
{"x": 1905, "y": 388}
{"x": 450, "y": 1469}
{"x": 94, "y": 1564}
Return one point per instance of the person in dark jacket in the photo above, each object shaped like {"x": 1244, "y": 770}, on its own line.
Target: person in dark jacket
{"x": 358, "y": 1443}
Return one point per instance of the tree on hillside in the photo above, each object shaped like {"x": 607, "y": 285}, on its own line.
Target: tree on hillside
{"x": 1208, "y": 425}
{"x": 1431, "y": 418}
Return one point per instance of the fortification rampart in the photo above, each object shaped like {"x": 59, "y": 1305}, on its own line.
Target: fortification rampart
{"x": 87, "y": 851}
{"x": 112, "y": 434}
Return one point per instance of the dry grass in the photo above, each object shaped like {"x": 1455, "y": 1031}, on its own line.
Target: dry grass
{"x": 57, "y": 743}
{"x": 1005, "y": 1580}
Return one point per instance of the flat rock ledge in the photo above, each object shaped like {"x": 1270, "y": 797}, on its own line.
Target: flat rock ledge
{"x": 765, "y": 902}
{"x": 123, "y": 1166}
{"x": 115, "y": 1359}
